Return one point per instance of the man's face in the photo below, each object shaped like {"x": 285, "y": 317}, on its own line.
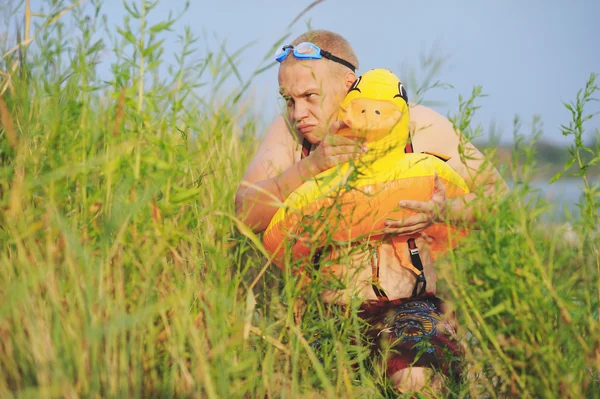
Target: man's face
{"x": 313, "y": 93}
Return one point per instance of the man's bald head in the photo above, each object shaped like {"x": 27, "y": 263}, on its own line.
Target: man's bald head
{"x": 333, "y": 43}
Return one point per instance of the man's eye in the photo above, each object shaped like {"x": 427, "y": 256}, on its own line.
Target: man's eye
{"x": 311, "y": 95}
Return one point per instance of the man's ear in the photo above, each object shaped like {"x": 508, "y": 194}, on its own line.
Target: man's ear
{"x": 349, "y": 79}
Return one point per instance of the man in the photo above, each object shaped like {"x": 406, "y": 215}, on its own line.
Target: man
{"x": 302, "y": 143}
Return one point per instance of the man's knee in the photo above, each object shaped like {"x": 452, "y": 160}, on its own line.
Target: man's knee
{"x": 417, "y": 379}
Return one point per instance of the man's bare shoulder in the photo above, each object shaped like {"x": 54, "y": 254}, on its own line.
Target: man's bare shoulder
{"x": 276, "y": 152}
{"x": 431, "y": 130}
{"x": 425, "y": 118}
{"x": 435, "y": 133}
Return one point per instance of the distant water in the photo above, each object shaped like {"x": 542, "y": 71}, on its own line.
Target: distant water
{"x": 564, "y": 193}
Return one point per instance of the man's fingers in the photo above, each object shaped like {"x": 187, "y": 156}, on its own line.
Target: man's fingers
{"x": 346, "y": 149}
{"x": 340, "y": 140}
{"x": 438, "y": 186}
{"x": 406, "y": 230}
{"x": 345, "y": 158}
{"x": 337, "y": 125}
{"x": 425, "y": 216}
{"x": 407, "y": 222}
{"x": 415, "y": 205}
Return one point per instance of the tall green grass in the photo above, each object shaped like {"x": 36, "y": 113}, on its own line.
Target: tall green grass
{"x": 124, "y": 272}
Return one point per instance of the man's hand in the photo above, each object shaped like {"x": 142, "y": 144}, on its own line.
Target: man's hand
{"x": 333, "y": 150}
{"x": 430, "y": 212}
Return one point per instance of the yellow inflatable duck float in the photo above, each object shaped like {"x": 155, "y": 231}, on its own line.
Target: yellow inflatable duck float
{"x": 352, "y": 201}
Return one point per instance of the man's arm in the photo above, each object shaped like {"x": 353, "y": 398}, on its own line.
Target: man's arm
{"x": 434, "y": 133}
{"x": 270, "y": 177}
{"x": 437, "y": 134}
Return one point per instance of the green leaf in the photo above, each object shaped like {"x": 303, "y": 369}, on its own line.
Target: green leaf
{"x": 568, "y": 106}
{"x": 495, "y": 310}
{"x": 127, "y": 35}
{"x": 186, "y": 195}
{"x": 148, "y": 50}
{"x": 248, "y": 233}
{"x": 594, "y": 160}
{"x": 134, "y": 13}
{"x": 250, "y": 305}
{"x": 556, "y": 177}
{"x": 159, "y": 27}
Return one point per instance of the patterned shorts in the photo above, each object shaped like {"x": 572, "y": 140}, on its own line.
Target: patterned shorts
{"x": 413, "y": 332}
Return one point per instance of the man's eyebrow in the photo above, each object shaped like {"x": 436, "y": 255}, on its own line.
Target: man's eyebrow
{"x": 308, "y": 91}
{"x": 303, "y": 93}
{"x": 284, "y": 94}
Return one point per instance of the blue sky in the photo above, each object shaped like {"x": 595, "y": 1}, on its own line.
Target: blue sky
{"x": 529, "y": 56}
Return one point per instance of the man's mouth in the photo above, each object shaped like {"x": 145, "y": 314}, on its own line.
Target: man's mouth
{"x": 305, "y": 128}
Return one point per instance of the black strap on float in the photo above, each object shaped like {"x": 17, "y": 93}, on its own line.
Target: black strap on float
{"x": 377, "y": 289}
{"x": 416, "y": 261}
{"x": 412, "y": 245}
{"x": 317, "y": 258}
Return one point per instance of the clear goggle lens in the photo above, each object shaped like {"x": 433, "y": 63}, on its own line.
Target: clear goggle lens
{"x": 305, "y": 48}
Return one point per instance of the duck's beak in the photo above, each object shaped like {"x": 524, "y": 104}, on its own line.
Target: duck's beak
{"x": 370, "y": 120}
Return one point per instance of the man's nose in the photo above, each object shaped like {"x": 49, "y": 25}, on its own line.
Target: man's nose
{"x": 300, "y": 111}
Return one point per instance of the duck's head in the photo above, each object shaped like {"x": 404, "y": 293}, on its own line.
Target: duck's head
{"x": 376, "y": 108}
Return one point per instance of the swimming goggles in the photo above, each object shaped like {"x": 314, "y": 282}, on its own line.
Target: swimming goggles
{"x": 309, "y": 51}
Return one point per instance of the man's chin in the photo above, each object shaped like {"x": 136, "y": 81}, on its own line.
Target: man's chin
{"x": 312, "y": 136}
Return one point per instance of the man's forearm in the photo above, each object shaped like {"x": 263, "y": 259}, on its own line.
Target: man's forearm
{"x": 466, "y": 210}
{"x": 256, "y": 203}
{"x": 460, "y": 212}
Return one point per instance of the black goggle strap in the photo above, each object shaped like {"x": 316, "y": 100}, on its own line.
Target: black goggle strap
{"x": 332, "y": 57}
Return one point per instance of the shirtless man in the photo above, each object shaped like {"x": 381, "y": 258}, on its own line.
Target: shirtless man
{"x": 302, "y": 143}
